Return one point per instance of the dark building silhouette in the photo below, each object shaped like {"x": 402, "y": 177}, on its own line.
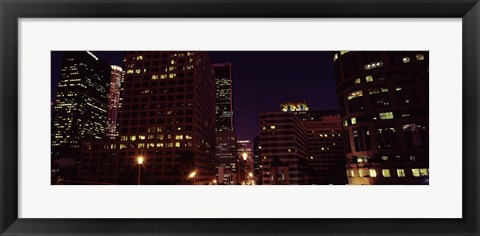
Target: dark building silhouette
{"x": 299, "y": 146}
{"x": 257, "y": 160}
{"x": 383, "y": 97}
{"x": 226, "y": 141}
{"x": 80, "y": 106}
{"x": 167, "y": 129}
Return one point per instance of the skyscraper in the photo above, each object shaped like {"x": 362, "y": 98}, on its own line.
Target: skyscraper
{"x": 257, "y": 160}
{"x": 226, "y": 140}
{"x": 81, "y": 103}
{"x": 167, "y": 124}
{"x": 224, "y": 97}
{"x": 113, "y": 101}
{"x": 383, "y": 97}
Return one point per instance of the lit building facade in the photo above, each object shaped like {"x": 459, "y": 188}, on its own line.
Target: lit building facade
{"x": 114, "y": 101}
{"x": 299, "y": 146}
{"x": 80, "y": 106}
{"x": 383, "y": 97}
{"x": 226, "y": 140}
{"x": 167, "y": 121}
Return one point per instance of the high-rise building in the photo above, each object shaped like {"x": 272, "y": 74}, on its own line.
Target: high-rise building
{"x": 81, "y": 103}
{"x": 383, "y": 97}
{"x": 167, "y": 129}
{"x": 257, "y": 160}
{"x": 226, "y": 140}
{"x": 224, "y": 97}
{"x": 299, "y": 146}
{"x": 113, "y": 101}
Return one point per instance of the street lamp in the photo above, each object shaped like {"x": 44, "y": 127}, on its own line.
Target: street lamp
{"x": 139, "y": 163}
{"x": 192, "y": 176}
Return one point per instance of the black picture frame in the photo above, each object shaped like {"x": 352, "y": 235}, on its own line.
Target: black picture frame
{"x": 12, "y": 10}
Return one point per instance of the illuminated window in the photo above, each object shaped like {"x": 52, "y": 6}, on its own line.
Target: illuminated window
{"x": 151, "y": 136}
{"x": 264, "y": 127}
{"x": 138, "y": 71}
{"x": 423, "y": 172}
{"x": 335, "y": 57}
{"x": 384, "y": 158}
{"x": 160, "y": 137}
{"x": 129, "y": 71}
{"x": 416, "y": 172}
{"x": 373, "y": 65}
{"x": 373, "y": 173}
{"x": 355, "y": 94}
{"x": 358, "y": 81}
{"x": 141, "y": 145}
{"x": 164, "y": 76}
{"x": 154, "y": 77}
{"x": 170, "y": 144}
{"x": 360, "y": 173}
{"x": 178, "y": 137}
{"x": 188, "y": 136}
{"x": 177, "y": 144}
{"x": 386, "y": 115}
{"x": 345, "y": 123}
{"x": 379, "y": 97}
{"x": 171, "y": 76}
{"x": 139, "y": 57}
{"x": 133, "y": 138}
{"x": 141, "y": 137}
{"x": 159, "y": 145}
{"x": 123, "y": 146}
{"x": 272, "y": 127}
{"x": 369, "y": 78}
{"x": 172, "y": 62}
{"x": 353, "y": 120}
{"x": 355, "y": 101}
{"x": 343, "y": 52}
{"x": 400, "y": 172}
{"x": 386, "y": 173}
{"x": 150, "y": 145}
{"x": 420, "y": 57}
{"x": 124, "y": 138}
{"x": 406, "y": 59}
{"x": 351, "y": 173}
{"x": 362, "y": 159}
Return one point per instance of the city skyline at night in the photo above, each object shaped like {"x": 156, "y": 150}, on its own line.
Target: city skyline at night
{"x": 249, "y": 118}
{"x": 296, "y": 75}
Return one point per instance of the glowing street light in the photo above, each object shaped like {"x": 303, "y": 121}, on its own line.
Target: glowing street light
{"x": 140, "y": 160}
{"x": 192, "y": 176}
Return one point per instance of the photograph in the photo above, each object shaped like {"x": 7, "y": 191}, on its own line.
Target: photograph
{"x": 239, "y": 118}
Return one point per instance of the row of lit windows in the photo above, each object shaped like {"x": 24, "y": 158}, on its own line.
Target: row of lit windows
{"x": 158, "y": 137}
{"x": 158, "y": 145}
{"x": 372, "y": 173}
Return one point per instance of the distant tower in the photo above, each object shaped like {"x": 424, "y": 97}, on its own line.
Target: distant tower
{"x": 81, "y": 103}
{"x": 113, "y": 101}
{"x": 226, "y": 140}
{"x": 383, "y": 97}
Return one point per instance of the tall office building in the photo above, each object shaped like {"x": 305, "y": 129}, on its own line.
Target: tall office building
{"x": 257, "y": 160}
{"x": 383, "y": 97}
{"x": 299, "y": 146}
{"x": 81, "y": 103}
{"x": 224, "y": 97}
{"x": 113, "y": 101}
{"x": 226, "y": 141}
{"x": 167, "y": 129}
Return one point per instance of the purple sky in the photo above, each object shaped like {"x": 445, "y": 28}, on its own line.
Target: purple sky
{"x": 262, "y": 80}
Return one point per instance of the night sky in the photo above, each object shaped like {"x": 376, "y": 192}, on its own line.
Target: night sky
{"x": 262, "y": 81}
